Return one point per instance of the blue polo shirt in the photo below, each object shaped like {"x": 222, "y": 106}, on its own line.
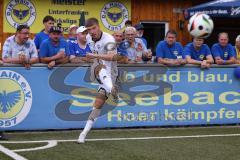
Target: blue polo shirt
{"x": 39, "y": 38}
{"x": 225, "y": 53}
{"x": 47, "y": 49}
{"x": 77, "y": 51}
{"x": 175, "y": 51}
{"x": 200, "y": 54}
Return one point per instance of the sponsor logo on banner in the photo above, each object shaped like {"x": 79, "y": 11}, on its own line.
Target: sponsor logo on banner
{"x": 15, "y": 98}
{"x": 20, "y": 12}
{"x": 114, "y": 15}
{"x": 235, "y": 11}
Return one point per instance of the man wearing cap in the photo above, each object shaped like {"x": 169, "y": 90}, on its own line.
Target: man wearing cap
{"x": 54, "y": 50}
{"x": 72, "y": 33}
{"x": 140, "y": 31}
{"x": 48, "y": 22}
{"x": 237, "y": 49}
{"x": 223, "y": 52}
{"x": 79, "y": 49}
{"x": 198, "y": 53}
{"x": 19, "y": 49}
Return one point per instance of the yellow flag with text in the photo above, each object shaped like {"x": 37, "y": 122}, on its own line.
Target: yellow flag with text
{"x": 112, "y": 15}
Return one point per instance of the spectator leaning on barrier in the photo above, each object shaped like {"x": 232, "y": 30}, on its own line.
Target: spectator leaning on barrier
{"x": 72, "y": 33}
{"x": 237, "y": 49}
{"x": 19, "y": 49}
{"x": 223, "y": 52}
{"x": 54, "y": 50}
{"x": 79, "y": 49}
{"x": 170, "y": 52}
{"x": 121, "y": 49}
{"x": 48, "y": 22}
{"x": 198, "y": 53}
{"x": 137, "y": 49}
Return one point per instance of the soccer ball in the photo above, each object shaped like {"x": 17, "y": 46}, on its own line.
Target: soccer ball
{"x": 200, "y": 25}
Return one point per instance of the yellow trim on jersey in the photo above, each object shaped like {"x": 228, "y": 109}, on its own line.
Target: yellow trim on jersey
{"x": 238, "y": 52}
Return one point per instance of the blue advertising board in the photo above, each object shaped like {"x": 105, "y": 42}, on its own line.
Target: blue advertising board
{"x": 62, "y": 98}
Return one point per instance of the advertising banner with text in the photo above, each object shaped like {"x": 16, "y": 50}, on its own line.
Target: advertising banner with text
{"x": 62, "y": 98}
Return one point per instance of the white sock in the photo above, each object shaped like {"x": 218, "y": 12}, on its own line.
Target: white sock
{"x": 88, "y": 127}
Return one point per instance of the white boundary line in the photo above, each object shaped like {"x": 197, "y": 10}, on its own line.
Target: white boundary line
{"x": 49, "y": 145}
{"x": 133, "y": 138}
{"x": 11, "y": 154}
{"x": 53, "y": 143}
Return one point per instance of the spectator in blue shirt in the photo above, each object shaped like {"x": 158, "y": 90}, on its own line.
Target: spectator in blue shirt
{"x": 79, "y": 49}
{"x": 170, "y": 52}
{"x": 198, "y": 53}
{"x": 223, "y": 52}
{"x": 54, "y": 50}
{"x": 121, "y": 48}
{"x": 48, "y": 22}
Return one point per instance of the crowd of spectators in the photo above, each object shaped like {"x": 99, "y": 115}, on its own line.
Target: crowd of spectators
{"x": 50, "y": 47}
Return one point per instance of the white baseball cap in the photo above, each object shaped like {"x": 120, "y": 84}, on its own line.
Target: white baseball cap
{"x": 81, "y": 29}
{"x": 238, "y": 38}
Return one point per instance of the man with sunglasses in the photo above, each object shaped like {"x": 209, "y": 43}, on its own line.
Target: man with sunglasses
{"x": 19, "y": 49}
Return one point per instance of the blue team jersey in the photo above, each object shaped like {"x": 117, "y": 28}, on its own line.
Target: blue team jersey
{"x": 47, "y": 49}
{"x": 175, "y": 51}
{"x": 122, "y": 52}
{"x": 39, "y": 38}
{"x": 200, "y": 54}
{"x": 225, "y": 53}
{"x": 71, "y": 40}
{"x": 77, "y": 51}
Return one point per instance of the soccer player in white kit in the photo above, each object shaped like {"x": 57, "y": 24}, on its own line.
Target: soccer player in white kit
{"x": 104, "y": 70}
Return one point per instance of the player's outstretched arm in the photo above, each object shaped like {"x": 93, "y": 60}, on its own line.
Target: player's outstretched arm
{"x": 107, "y": 57}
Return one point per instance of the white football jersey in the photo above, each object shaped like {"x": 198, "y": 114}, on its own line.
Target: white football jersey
{"x": 99, "y": 47}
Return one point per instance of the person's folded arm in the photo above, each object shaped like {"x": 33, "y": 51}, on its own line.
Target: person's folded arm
{"x": 170, "y": 62}
{"x": 193, "y": 61}
{"x": 232, "y": 60}
{"x": 209, "y": 59}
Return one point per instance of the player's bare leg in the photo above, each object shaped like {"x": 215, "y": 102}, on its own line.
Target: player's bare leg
{"x": 99, "y": 102}
{"x": 105, "y": 88}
